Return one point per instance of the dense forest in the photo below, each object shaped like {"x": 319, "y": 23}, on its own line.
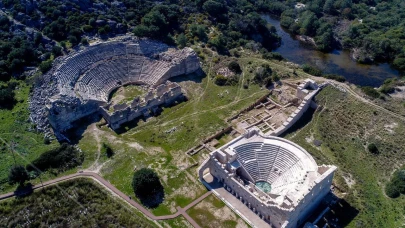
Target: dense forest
{"x": 374, "y": 30}
{"x": 35, "y": 32}
{"x": 45, "y": 29}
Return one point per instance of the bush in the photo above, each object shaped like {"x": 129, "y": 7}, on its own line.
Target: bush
{"x": 370, "y": 91}
{"x": 234, "y": 67}
{"x": 45, "y": 66}
{"x": 392, "y": 191}
{"x": 7, "y": 94}
{"x": 107, "y": 150}
{"x": 18, "y": 174}
{"x": 181, "y": 40}
{"x": 214, "y": 8}
{"x": 273, "y": 55}
{"x": 84, "y": 41}
{"x": 372, "y": 148}
{"x": 146, "y": 183}
{"x": 396, "y": 186}
{"x": 47, "y": 141}
{"x": 387, "y": 88}
{"x": 220, "y": 80}
{"x": 57, "y": 51}
{"x": 275, "y": 77}
{"x": 311, "y": 70}
{"x": 335, "y": 77}
{"x": 263, "y": 75}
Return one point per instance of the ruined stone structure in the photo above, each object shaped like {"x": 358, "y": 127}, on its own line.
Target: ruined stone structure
{"x": 81, "y": 82}
{"x": 275, "y": 178}
{"x": 164, "y": 94}
{"x": 305, "y": 92}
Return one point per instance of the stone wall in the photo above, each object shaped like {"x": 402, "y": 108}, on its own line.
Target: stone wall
{"x": 64, "y": 111}
{"x": 293, "y": 210}
{"x": 163, "y": 95}
{"x": 306, "y": 96}
{"x": 81, "y": 82}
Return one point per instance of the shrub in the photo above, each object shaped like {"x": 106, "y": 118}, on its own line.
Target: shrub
{"x": 372, "y": 148}
{"x": 181, "y": 40}
{"x": 263, "y": 75}
{"x": 387, "y": 88}
{"x": 146, "y": 183}
{"x": 392, "y": 191}
{"x": 273, "y": 55}
{"x": 275, "y": 77}
{"x": 45, "y": 66}
{"x": 84, "y": 41}
{"x": 56, "y": 50}
{"x": 47, "y": 141}
{"x": 7, "y": 99}
{"x": 335, "y": 77}
{"x": 370, "y": 91}
{"x": 87, "y": 28}
{"x": 396, "y": 186}
{"x": 311, "y": 70}
{"x": 234, "y": 67}
{"x": 107, "y": 150}
{"x": 220, "y": 80}
{"x": 18, "y": 174}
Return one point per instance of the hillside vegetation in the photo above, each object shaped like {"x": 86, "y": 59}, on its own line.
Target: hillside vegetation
{"x": 345, "y": 128}
{"x": 373, "y": 29}
{"x": 76, "y": 203}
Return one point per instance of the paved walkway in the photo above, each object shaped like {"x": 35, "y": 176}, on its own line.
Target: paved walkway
{"x": 109, "y": 186}
{"x": 233, "y": 203}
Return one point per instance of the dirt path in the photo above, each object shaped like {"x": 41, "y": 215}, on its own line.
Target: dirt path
{"x": 349, "y": 90}
{"x": 111, "y": 188}
{"x": 96, "y": 167}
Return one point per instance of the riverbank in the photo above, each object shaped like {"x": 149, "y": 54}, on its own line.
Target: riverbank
{"x": 336, "y": 62}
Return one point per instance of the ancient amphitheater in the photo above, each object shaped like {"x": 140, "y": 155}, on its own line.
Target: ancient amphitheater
{"x": 272, "y": 177}
{"x": 80, "y": 83}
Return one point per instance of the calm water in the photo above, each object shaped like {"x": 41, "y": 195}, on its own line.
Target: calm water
{"x": 264, "y": 186}
{"x": 336, "y": 62}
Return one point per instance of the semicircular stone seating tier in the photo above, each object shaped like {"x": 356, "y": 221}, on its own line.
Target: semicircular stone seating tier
{"x": 271, "y": 163}
{"x": 94, "y": 72}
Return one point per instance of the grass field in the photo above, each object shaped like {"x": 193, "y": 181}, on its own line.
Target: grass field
{"x": 17, "y": 131}
{"x": 161, "y": 142}
{"x": 76, "y": 203}
{"x": 345, "y": 126}
{"x": 212, "y": 213}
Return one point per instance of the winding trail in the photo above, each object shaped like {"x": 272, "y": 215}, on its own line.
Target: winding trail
{"x": 111, "y": 188}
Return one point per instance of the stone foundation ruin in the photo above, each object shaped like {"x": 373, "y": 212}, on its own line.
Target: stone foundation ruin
{"x": 163, "y": 95}
{"x": 79, "y": 84}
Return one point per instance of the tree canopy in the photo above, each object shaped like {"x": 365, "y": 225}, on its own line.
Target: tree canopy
{"x": 18, "y": 174}
{"x": 146, "y": 183}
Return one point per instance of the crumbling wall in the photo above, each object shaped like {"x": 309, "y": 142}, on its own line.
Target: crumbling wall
{"x": 63, "y": 112}
{"x": 73, "y": 88}
{"x": 163, "y": 95}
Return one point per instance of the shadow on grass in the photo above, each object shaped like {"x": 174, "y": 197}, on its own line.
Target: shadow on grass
{"x": 196, "y": 77}
{"x": 153, "y": 200}
{"x": 75, "y": 134}
{"x": 340, "y": 215}
{"x": 24, "y": 190}
{"x": 305, "y": 119}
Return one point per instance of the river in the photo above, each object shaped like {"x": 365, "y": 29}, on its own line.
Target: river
{"x": 336, "y": 62}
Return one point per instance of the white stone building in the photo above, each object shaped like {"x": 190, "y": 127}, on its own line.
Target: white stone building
{"x": 277, "y": 179}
